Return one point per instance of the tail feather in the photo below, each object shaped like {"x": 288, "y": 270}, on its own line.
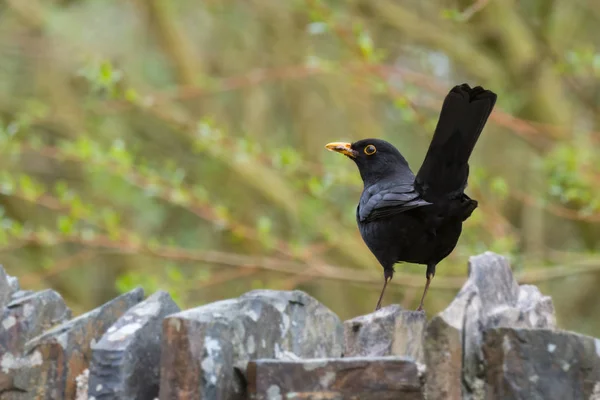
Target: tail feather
{"x": 445, "y": 169}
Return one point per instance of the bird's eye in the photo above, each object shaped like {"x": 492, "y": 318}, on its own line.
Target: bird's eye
{"x": 370, "y": 150}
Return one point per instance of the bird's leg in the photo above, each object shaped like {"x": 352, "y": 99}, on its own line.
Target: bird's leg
{"x": 429, "y": 275}
{"x": 388, "y": 274}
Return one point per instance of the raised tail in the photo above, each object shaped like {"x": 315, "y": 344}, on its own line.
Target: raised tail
{"x": 445, "y": 169}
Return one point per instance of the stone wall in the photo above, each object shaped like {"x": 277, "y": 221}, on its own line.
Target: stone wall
{"x": 496, "y": 340}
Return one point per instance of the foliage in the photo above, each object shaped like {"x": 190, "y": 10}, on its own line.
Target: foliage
{"x": 179, "y": 145}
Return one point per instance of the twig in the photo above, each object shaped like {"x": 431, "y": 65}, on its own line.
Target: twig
{"x": 325, "y": 271}
{"x": 532, "y": 132}
{"x": 58, "y": 267}
{"x": 202, "y": 211}
{"x": 473, "y": 9}
{"x": 226, "y": 276}
{"x": 554, "y": 208}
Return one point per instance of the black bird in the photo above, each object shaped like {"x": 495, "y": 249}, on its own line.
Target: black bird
{"x": 403, "y": 218}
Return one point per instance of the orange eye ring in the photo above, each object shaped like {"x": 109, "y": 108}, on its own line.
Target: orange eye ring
{"x": 370, "y": 150}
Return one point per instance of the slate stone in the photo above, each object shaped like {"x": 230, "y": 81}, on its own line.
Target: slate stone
{"x": 390, "y": 331}
{"x": 13, "y": 282}
{"x": 443, "y": 358}
{"x": 364, "y": 378}
{"x": 490, "y": 273}
{"x": 8, "y": 285}
{"x": 442, "y": 347}
{"x": 82, "y": 385}
{"x": 540, "y": 364}
{"x": 20, "y": 294}
{"x": 126, "y": 361}
{"x": 58, "y": 356}
{"x": 21, "y": 320}
{"x": 536, "y": 310}
{"x": 30, "y": 316}
{"x": 205, "y": 350}
{"x": 490, "y": 298}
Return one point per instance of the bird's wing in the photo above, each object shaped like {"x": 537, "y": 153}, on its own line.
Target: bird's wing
{"x": 380, "y": 201}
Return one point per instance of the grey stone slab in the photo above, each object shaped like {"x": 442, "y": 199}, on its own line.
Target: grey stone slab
{"x": 390, "y": 331}
{"x": 8, "y": 285}
{"x": 490, "y": 298}
{"x": 126, "y": 361}
{"x": 364, "y": 378}
{"x": 55, "y": 358}
{"x": 540, "y": 364}
{"x": 206, "y": 349}
{"x": 21, "y": 320}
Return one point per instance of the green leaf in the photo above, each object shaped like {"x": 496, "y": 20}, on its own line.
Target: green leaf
{"x": 499, "y": 187}
{"x": 179, "y": 196}
{"x": 314, "y": 186}
{"x": 451, "y": 14}
{"x": 29, "y": 189}
{"x": 132, "y": 96}
{"x": 174, "y": 273}
{"x": 7, "y": 185}
{"x": 264, "y": 225}
{"x": 65, "y": 225}
{"x": 365, "y": 44}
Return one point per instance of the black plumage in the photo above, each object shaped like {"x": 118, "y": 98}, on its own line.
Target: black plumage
{"x": 418, "y": 219}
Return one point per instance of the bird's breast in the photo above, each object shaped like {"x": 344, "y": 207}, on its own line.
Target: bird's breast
{"x": 410, "y": 237}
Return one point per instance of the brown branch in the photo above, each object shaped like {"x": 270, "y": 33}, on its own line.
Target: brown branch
{"x": 494, "y": 222}
{"x": 188, "y": 92}
{"x": 558, "y": 272}
{"x": 30, "y": 11}
{"x": 554, "y": 209}
{"x": 324, "y": 271}
{"x": 226, "y": 276}
{"x": 537, "y": 134}
{"x": 473, "y": 9}
{"x": 58, "y": 267}
{"x": 207, "y": 213}
{"x": 242, "y": 261}
{"x": 174, "y": 42}
{"x": 261, "y": 177}
{"x": 202, "y": 211}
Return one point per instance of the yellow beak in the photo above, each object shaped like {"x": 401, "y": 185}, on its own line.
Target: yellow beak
{"x": 343, "y": 148}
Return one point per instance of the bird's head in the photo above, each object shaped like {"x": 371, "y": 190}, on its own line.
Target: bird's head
{"x": 376, "y": 159}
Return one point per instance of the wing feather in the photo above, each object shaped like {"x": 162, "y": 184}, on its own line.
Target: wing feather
{"x": 377, "y": 202}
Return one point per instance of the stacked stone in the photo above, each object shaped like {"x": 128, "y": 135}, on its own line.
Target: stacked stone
{"x": 496, "y": 340}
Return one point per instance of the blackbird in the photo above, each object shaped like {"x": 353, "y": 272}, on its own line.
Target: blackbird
{"x": 403, "y": 218}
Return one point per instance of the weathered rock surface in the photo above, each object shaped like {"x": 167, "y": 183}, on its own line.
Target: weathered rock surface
{"x": 490, "y": 298}
{"x": 206, "y": 350}
{"x": 20, "y": 294}
{"x": 126, "y": 361}
{"x": 443, "y": 358}
{"x": 55, "y": 358}
{"x": 23, "y": 319}
{"x": 30, "y": 316}
{"x": 540, "y": 364}
{"x": 8, "y": 285}
{"x": 82, "y": 381}
{"x": 364, "y": 378}
{"x": 390, "y": 331}
{"x": 496, "y": 340}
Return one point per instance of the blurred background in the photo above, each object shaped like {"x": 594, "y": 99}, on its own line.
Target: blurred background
{"x": 179, "y": 145}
